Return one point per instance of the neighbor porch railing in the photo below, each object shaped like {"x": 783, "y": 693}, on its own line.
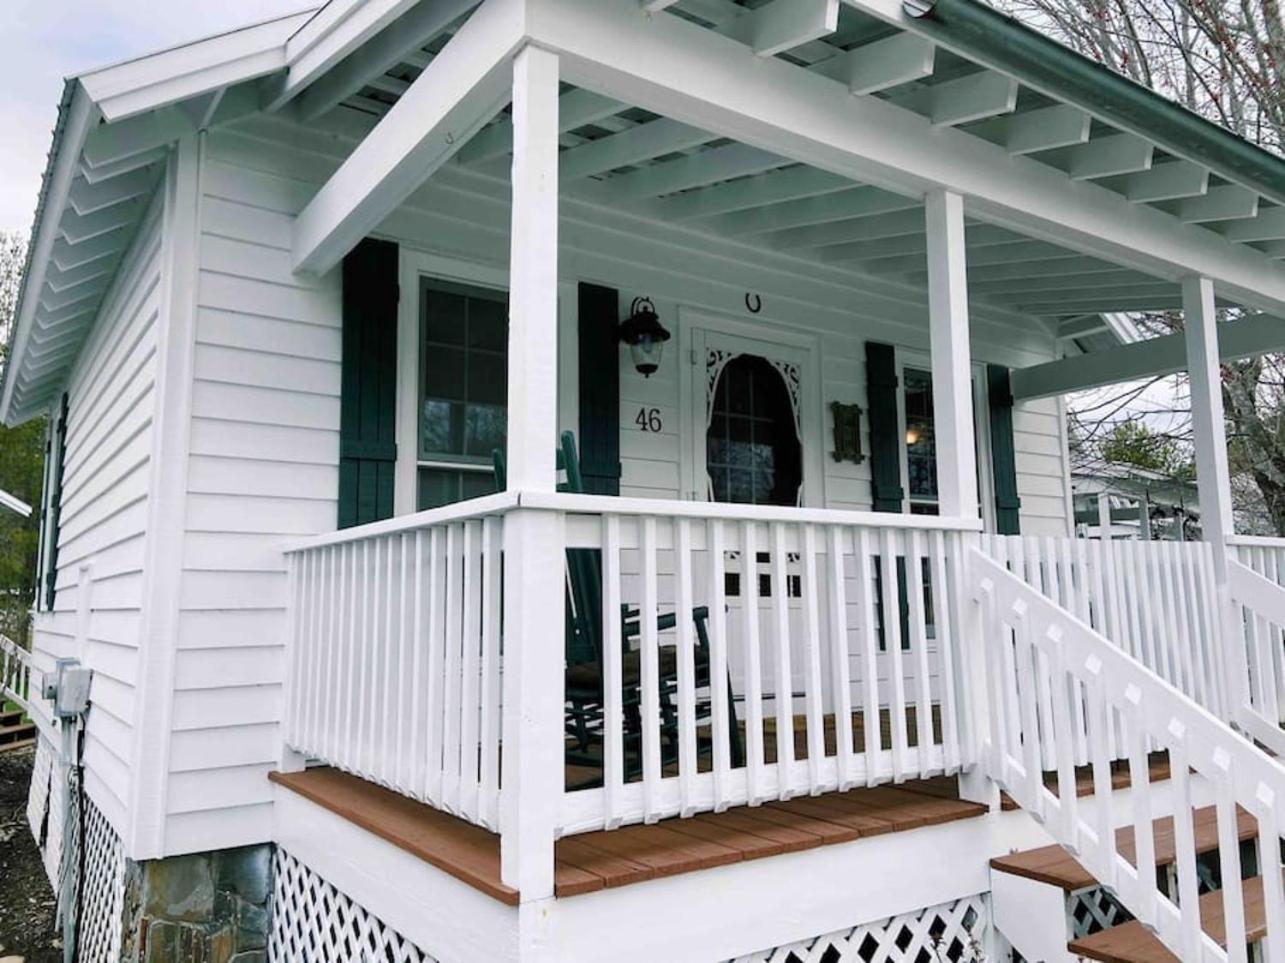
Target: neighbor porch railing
{"x": 825, "y": 655}
{"x": 15, "y": 674}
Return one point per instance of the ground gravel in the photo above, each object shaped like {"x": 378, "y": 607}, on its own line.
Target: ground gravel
{"x": 26, "y": 901}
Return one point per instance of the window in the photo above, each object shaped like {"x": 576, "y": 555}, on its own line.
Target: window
{"x": 753, "y": 454}
{"x": 921, "y": 443}
{"x": 463, "y": 412}
{"x": 55, "y": 457}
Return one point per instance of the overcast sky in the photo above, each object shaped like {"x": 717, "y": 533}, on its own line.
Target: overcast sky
{"x": 44, "y": 41}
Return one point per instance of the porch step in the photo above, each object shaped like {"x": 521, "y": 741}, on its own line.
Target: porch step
{"x": 1055, "y": 866}
{"x": 1134, "y": 943}
{"x": 16, "y": 732}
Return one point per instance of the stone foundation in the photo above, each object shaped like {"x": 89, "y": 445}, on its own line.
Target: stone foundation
{"x": 205, "y": 908}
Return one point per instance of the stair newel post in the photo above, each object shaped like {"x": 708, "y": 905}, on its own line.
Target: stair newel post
{"x": 1213, "y": 479}
{"x": 981, "y": 696}
{"x": 534, "y": 539}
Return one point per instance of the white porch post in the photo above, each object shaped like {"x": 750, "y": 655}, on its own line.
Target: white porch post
{"x": 948, "y": 330}
{"x": 952, "y": 366}
{"x": 1213, "y": 480}
{"x": 534, "y": 580}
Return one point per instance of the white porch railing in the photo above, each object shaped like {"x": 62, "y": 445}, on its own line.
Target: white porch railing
{"x": 1256, "y": 581}
{"x": 1157, "y": 601}
{"x": 15, "y": 674}
{"x": 848, "y": 677}
{"x": 1038, "y": 657}
{"x": 395, "y": 654}
{"x": 747, "y": 653}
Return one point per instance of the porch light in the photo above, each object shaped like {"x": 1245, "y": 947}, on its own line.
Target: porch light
{"x": 645, "y": 335}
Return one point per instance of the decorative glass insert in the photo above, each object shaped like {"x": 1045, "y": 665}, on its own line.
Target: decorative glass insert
{"x": 463, "y": 404}
{"x": 753, "y": 453}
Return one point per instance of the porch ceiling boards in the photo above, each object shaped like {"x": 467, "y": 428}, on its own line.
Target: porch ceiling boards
{"x": 629, "y": 159}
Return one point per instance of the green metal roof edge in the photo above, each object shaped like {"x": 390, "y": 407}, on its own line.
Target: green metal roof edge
{"x": 999, "y": 41}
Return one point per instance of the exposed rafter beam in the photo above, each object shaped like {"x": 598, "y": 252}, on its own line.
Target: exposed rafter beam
{"x": 963, "y": 100}
{"x": 1167, "y": 182}
{"x": 1095, "y": 281}
{"x": 883, "y": 64}
{"x": 113, "y": 143}
{"x": 1261, "y": 334}
{"x": 1061, "y": 306}
{"x": 86, "y": 198}
{"x": 107, "y": 171}
{"x": 62, "y": 280}
{"x": 663, "y": 136}
{"x": 655, "y": 6}
{"x": 692, "y": 171}
{"x": 752, "y": 192}
{"x": 1269, "y": 225}
{"x": 451, "y": 100}
{"x": 77, "y": 229}
{"x": 405, "y": 36}
{"x": 66, "y": 256}
{"x": 1048, "y": 128}
{"x": 904, "y": 253}
{"x": 576, "y": 108}
{"x": 853, "y": 202}
{"x": 1079, "y": 327}
{"x": 781, "y": 25}
{"x": 1109, "y": 156}
{"x": 1062, "y": 265}
{"x": 1225, "y": 203}
{"x": 860, "y": 229}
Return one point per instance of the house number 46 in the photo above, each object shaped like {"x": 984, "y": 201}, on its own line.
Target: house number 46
{"x": 649, "y": 420}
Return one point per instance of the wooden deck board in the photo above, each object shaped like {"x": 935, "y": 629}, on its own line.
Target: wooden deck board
{"x": 588, "y": 862}
{"x": 1055, "y": 866}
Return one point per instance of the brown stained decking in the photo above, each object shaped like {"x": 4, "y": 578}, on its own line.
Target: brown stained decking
{"x": 600, "y": 860}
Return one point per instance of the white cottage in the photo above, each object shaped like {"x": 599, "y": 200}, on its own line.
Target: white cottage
{"x": 583, "y": 479}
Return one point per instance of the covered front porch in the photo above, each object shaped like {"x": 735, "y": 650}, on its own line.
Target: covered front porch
{"x": 689, "y": 629}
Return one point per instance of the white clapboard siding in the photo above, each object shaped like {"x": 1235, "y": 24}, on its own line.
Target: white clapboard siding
{"x": 263, "y": 466}
{"x": 106, "y": 480}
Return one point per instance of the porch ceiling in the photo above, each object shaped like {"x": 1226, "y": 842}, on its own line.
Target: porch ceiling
{"x": 629, "y": 159}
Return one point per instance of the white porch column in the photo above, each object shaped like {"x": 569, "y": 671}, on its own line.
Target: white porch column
{"x": 1208, "y": 425}
{"x": 534, "y": 579}
{"x": 951, "y": 356}
{"x": 1213, "y": 480}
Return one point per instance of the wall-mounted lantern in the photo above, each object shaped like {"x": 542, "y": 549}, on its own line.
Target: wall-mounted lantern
{"x": 645, "y": 335}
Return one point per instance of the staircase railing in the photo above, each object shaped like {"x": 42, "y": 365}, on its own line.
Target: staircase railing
{"x": 15, "y": 674}
{"x": 1039, "y": 658}
{"x": 1258, "y": 597}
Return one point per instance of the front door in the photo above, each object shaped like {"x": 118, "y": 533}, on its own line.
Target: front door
{"x": 750, "y": 448}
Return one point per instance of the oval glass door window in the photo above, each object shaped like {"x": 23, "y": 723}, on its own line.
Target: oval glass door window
{"x": 753, "y": 452}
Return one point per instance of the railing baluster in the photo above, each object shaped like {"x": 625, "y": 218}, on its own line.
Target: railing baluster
{"x": 453, "y": 675}
{"x": 752, "y": 664}
{"x": 784, "y": 682}
{"x": 470, "y": 773}
{"x": 812, "y": 643}
{"x": 390, "y": 716}
{"x": 1267, "y": 810}
{"x": 1101, "y": 727}
{"x": 650, "y": 663}
{"x": 613, "y": 718}
{"x": 1229, "y": 854}
{"x": 1064, "y": 742}
{"x": 721, "y": 728}
{"x": 685, "y": 606}
{"x": 436, "y": 664}
{"x": 947, "y": 612}
{"x": 919, "y": 645}
{"x": 839, "y": 665}
{"x": 492, "y": 580}
{"x": 1191, "y": 933}
{"x": 892, "y": 645}
{"x": 418, "y": 680}
{"x": 1030, "y": 689}
{"x": 1076, "y": 578}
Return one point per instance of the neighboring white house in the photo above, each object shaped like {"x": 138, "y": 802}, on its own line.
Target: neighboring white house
{"x": 760, "y": 315}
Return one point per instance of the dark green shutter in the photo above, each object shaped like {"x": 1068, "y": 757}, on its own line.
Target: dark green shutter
{"x": 1003, "y": 456}
{"x": 600, "y": 389}
{"x": 368, "y": 402}
{"x": 55, "y": 508}
{"x": 885, "y": 433}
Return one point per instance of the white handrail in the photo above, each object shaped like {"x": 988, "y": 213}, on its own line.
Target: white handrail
{"x": 15, "y": 673}
{"x": 1037, "y": 653}
{"x": 496, "y": 504}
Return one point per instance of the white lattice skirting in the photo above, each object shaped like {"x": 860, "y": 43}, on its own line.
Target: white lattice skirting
{"x": 44, "y": 808}
{"x": 313, "y": 921}
{"x": 103, "y": 891}
{"x": 958, "y": 932}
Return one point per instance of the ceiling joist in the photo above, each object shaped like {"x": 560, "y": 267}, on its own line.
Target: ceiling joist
{"x": 1109, "y": 156}
{"x": 576, "y": 108}
{"x": 782, "y": 25}
{"x": 853, "y": 202}
{"x": 695, "y": 170}
{"x": 900, "y": 59}
{"x": 965, "y": 99}
{"x": 633, "y": 146}
{"x": 1225, "y": 203}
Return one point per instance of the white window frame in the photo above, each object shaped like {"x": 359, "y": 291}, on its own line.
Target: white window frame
{"x": 981, "y": 425}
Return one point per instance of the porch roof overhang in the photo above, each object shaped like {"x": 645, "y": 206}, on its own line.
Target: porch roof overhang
{"x": 805, "y": 130}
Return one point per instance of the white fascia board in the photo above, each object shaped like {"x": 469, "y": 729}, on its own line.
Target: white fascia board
{"x": 79, "y": 117}
{"x": 337, "y": 30}
{"x": 462, "y": 89}
{"x": 1260, "y": 334}
{"x": 690, "y": 74}
{"x": 175, "y": 75}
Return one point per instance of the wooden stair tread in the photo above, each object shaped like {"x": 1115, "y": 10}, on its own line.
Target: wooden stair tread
{"x": 15, "y": 746}
{"x": 1055, "y": 866}
{"x": 1134, "y": 943}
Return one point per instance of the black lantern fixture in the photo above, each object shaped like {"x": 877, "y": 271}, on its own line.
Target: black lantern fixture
{"x": 645, "y": 335}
